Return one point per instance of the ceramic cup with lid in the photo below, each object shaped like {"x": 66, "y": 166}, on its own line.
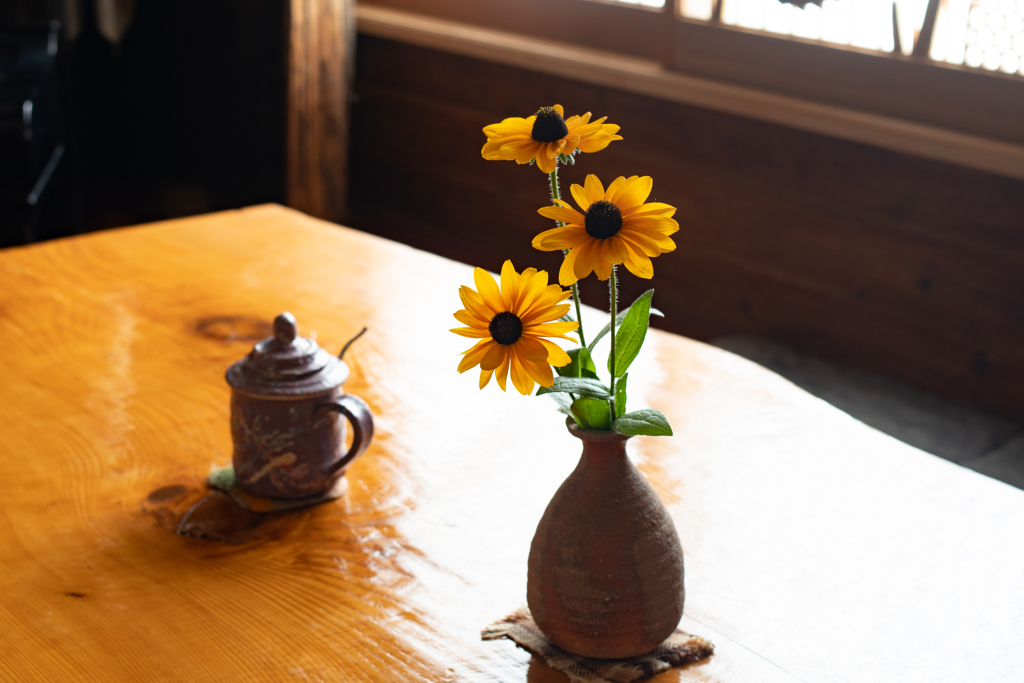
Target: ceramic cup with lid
{"x": 287, "y": 404}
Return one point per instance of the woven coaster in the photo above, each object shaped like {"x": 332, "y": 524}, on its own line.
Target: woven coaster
{"x": 223, "y": 478}
{"x": 678, "y": 649}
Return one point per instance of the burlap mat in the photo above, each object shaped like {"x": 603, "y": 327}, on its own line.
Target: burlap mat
{"x": 680, "y": 648}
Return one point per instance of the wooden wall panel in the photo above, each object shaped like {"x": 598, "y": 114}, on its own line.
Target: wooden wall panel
{"x": 888, "y": 262}
{"x": 321, "y": 41}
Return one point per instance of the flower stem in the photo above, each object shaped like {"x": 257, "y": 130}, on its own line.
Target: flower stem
{"x": 553, "y": 176}
{"x": 613, "y": 305}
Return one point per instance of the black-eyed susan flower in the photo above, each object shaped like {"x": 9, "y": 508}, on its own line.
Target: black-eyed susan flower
{"x": 616, "y": 226}
{"x": 545, "y": 135}
{"x": 514, "y": 324}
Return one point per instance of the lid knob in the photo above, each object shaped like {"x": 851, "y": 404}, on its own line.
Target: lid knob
{"x": 285, "y": 329}
{"x": 287, "y": 365}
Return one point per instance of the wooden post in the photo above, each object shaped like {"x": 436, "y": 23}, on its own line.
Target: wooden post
{"x": 321, "y": 57}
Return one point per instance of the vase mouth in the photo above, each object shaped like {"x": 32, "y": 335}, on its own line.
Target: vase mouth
{"x": 601, "y": 435}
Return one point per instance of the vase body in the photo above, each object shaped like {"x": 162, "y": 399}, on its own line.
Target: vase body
{"x": 606, "y": 567}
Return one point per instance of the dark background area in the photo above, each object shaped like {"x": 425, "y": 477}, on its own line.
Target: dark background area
{"x": 185, "y": 115}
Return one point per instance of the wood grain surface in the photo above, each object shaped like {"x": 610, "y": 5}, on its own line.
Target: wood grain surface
{"x": 816, "y": 548}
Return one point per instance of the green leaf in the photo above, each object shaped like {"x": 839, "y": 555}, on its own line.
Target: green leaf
{"x": 567, "y": 318}
{"x": 618, "y": 321}
{"x": 563, "y": 158}
{"x": 632, "y": 333}
{"x": 564, "y": 403}
{"x": 591, "y": 413}
{"x": 641, "y": 423}
{"x": 572, "y": 369}
{"x": 582, "y": 365}
{"x": 620, "y": 396}
{"x": 581, "y": 386}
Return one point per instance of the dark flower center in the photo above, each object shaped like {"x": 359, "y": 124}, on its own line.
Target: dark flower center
{"x": 603, "y": 220}
{"x": 549, "y": 126}
{"x": 506, "y": 328}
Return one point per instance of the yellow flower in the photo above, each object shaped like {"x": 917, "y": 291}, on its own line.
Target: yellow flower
{"x": 511, "y": 323}
{"x": 616, "y": 226}
{"x": 545, "y": 135}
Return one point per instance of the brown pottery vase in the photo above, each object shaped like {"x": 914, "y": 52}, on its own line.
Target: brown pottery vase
{"x": 606, "y": 566}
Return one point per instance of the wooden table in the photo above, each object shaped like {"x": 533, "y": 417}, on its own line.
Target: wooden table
{"x": 817, "y": 549}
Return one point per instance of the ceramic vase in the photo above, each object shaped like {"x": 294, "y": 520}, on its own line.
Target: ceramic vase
{"x": 606, "y": 567}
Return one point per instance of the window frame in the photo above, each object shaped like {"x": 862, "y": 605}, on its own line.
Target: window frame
{"x": 911, "y": 88}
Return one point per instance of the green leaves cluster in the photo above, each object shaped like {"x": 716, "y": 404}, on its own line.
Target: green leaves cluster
{"x": 580, "y": 393}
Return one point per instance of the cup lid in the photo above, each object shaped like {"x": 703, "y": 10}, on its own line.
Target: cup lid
{"x": 286, "y": 365}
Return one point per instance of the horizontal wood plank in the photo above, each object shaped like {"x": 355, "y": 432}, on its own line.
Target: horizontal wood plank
{"x": 951, "y": 134}
{"x": 892, "y": 263}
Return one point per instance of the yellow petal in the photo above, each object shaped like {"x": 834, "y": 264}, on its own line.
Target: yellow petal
{"x": 474, "y": 355}
{"x": 556, "y": 355}
{"x": 531, "y": 291}
{"x": 567, "y": 273}
{"x": 546, "y": 163}
{"x": 584, "y": 262}
{"x": 540, "y": 373}
{"x": 541, "y": 313}
{"x": 594, "y": 188}
{"x": 571, "y": 141}
{"x": 467, "y": 318}
{"x": 557, "y": 329}
{"x": 488, "y": 290}
{"x": 546, "y": 306}
{"x": 485, "y": 377}
{"x": 509, "y": 285}
{"x": 616, "y": 249}
{"x": 560, "y": 213}
{"x": 524, "y": 278}
{"x": 614, "y": 188}
{"x": 510, "y": 125}
{"x": 520, "y": 378}
{"x": 634, "y": 192}
{"x": 601, "y": 259}
{"x": 651, "y": 209}
{"x": 580, "y": 195}
{"x": 560, "y": 238}
{"x": 655, "y": 230}
{"x": 528, "y": 153}
{"x": 531, "y": 349}
{"x": 579, "y": 121}
{"x": 558, "y": 108}
{"x": 494, "y": 356}
{"x": 663, "y": 241}
{"x": 502, "y": 372}
{"x": 471, "y": 332}
{"x": 512, "y": 149}
{"x": 596, "y": 143}
{"x": 476, "y": 305}
{"x": 637, "y": 263}
{"x": 642, "y": 242}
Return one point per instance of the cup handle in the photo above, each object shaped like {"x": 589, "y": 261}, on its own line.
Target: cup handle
{"x": 361, "y": 419}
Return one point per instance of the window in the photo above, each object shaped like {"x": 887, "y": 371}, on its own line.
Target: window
{"x": 964, "y": 76}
